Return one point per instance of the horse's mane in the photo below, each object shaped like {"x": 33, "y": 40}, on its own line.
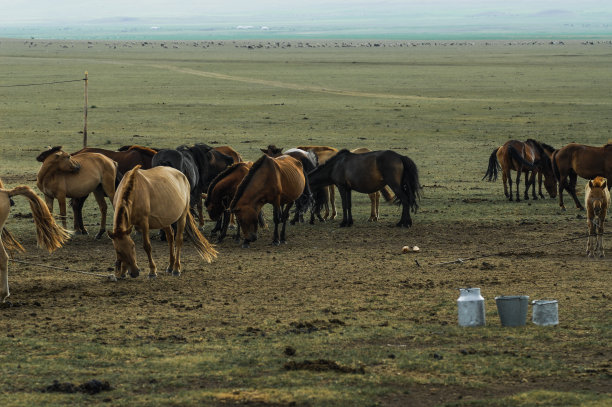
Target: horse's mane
{"x": 142, "y": 149}
{"x": 336, "y": 157}
{"x": 218, "y": 178}
{"x": 43, "y": 156}
{"x": 247, "y": 179}
{"x": 122, "y": 208}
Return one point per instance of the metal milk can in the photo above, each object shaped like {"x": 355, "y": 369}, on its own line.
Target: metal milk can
{"x": 470, "y": 307}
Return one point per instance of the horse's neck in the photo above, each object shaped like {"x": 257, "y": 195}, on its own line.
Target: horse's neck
{"x": 44, "y": 172}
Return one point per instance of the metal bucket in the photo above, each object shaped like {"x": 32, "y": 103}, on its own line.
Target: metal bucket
{"x": 545, "y": 312}
{"x": 470, "y": 307}
{"x": 512, "y": 309}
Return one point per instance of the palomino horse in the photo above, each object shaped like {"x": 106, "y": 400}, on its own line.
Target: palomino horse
{"x": 368, "y": 173}
{"x": 374, "y": 197}
{"x": 597, "y": 202}
{"x": 324, "y": 153}
{"x": 126, "y": 159}
{"x": 62, "y": 176}
{"x": 575, "y": 160}
{"x": 530, "y": 156}
{"x": 154, "y": 199}
{"x": 278, "y": 181}
{"x": 49, "y": 235}
{"x": 220, "y": 194}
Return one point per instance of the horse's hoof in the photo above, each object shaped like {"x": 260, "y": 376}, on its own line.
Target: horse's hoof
{"x": 232, "y": 227}
{"x": 169, "y": 270}
{"x": 152, "y": 276}
{"x": 176, "y": 273}
{"x": 134, "y": 274}
{"x": 283, "y": 242}
{"x": 276, "y": 243}
{"x": 99, "y": 235}
{"x": 245, "y": 246}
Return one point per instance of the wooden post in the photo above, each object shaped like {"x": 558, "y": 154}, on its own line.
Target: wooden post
{"x": 85, "y": 113}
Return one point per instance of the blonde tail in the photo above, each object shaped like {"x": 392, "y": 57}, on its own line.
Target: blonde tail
{"x": 50, "y": 235}
{"x": 204, "y": 248}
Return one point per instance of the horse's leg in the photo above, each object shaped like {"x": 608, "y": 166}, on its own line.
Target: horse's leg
{"x": 232, "y": 222}
{"x": 591, "y": 238}
{"x": 224, "y": 225}
{"x": 178, "y": 245}
{"x": 562, "y": 186}
{"x": 99, "y": 195}
{"x": 146, "y": 244}
{"x": 200, "y": 213}
{"x": 4, "y": 288}
{"x": 600, "y": 231}
{"x": 77, "y": 211}
{"x": 283, "y": 238}
{"x": 61, "y": 199}
{"x": 540, "y": 185}
{"x": 343, "y": 197}
{"x": 276, "y": 214}
{"x": 170, "y": 238}
{"x": 508, "y": 177}
{"x": 530, "y": 182}
{"x": 518, "y": 181}
{"x": 573, "y": 178}
{"x": 349, "y": 208}
{"x": 332, "y": 201}
{"x": 372, "y": 207}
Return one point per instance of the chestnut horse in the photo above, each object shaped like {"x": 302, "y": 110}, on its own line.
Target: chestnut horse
{"x": 62, "y": 175}
{"x": 49, "y": 235}
{"x": 368, "y": 173}
{"x": 227, "y": 150}
{"x": 278, "y": 181}
{"x": 522, "y": 157}
{"x": 597, "y": 202}
{"x": 575, "y": 160}
{"x": 154, "y": 199}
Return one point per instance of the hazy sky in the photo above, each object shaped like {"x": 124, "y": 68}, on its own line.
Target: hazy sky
{"x": 80, "y": 11}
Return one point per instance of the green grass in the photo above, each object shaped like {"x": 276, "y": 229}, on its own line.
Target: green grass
{"x": 218, "y": 335}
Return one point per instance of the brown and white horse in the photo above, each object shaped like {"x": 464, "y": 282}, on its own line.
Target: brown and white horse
{"x": 597, "y": 202}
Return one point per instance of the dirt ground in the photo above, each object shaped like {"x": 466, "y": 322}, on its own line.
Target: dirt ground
{"x": 356, "y": 276}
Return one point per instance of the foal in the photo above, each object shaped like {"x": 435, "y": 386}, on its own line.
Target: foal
{"x": 597, "y": 202}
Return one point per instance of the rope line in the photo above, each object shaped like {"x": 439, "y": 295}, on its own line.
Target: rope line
{"x": 41, "y": 83}
{"x": 110, "y": 277}
{"x": 461, "y": 260}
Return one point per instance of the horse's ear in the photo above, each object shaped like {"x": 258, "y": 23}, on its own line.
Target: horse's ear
{"x": 263, "y": 151}
{"x": 604, "y": 184}
{"x": 590, "y": 183}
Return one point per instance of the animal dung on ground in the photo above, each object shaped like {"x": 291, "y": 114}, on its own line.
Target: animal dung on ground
{"x": 408, "y": 249}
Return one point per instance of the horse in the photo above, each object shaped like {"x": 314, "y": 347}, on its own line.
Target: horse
{"x": 127, "y": 157}
{"x": 49, "y": 234}
{"x": 309, "y": 162}
{"x": 227, "y": 150}
{"x": 522, "y": 157}
{"x": 220, "y": 194}
{"x": 154, "y": 199}
{"x": 375, "y": 197}
{"x": 575, "y": 160}
{"x": 279, "y": 181}
{"x": 368, "y": 173}
{"x": 324, "y": 153}
{"x": 62, "y": 175}
{"x": 597, "y": 202}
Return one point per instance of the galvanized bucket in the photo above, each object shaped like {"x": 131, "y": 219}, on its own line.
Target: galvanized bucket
{"x": 545, "y": 312}
{"x": 512, "y": 309}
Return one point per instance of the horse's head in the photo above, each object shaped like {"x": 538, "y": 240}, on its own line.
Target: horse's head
{"x": 247, "y": 217}
{"x": 125, "y": 250}
{"x": 63, "y": 161}
{"x": 272, "y": 150}
{"x": 598, "y": 196}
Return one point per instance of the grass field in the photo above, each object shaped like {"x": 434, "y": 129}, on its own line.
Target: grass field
{"x": 243, "y": 330}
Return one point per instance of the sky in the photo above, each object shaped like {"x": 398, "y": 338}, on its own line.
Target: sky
{"x": 22, "y": 12}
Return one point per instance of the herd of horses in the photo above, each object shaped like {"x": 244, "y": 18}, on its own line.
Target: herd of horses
{"x": 163, "y": 188}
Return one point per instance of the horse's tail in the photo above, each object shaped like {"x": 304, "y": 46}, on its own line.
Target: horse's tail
{"x": 518, "y": 157}
{"x": 493, "y": 168}
{"x": 204, "y": 248}
{"x": 387, "y": 194}
{"x": 306, "y": 200}
{"x": 410, "y": 183}
{"x": 10, "y": 242}
{"x": 50, "y": 235}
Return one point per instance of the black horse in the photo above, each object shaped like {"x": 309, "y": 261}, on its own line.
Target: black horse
{"x": 368, "y": 173}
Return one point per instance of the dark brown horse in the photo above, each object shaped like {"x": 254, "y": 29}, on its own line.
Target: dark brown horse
{"x": 220, "y": 194}
{"x": 575, "y": 160}
{"x": 324, "y": 153}
{"x": 227, "y": 150}
{"x": 368, "y": 173}
{"x": 522, "y": 157}
{"x": 277, "y": 181}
